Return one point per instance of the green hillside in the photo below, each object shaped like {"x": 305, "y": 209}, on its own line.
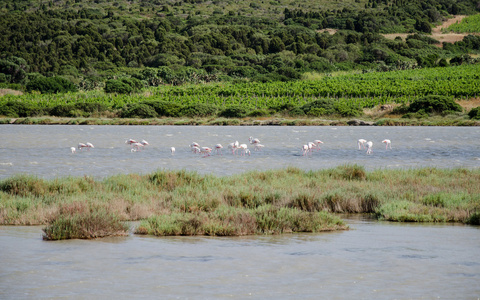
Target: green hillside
{"x": 175, "y": 42}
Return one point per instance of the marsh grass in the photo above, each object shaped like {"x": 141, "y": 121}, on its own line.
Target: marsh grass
{"x": 84, "y": 225}
{"x": 267, "y": 202}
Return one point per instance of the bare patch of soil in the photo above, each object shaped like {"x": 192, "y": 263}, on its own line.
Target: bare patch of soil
{"x": 468, "y": 104}
{"x": 4, "y": 92}
{"x": 437, "y": 32}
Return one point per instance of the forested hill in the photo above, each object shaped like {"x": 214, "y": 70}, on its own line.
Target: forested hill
{"x": 175, "y": 41}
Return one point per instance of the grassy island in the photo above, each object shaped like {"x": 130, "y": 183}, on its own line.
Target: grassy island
{"x": 267, "y": 202}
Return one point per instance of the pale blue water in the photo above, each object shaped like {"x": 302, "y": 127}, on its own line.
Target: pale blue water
{"x": 44, "y": 150}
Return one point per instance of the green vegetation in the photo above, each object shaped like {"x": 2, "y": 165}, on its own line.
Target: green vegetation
{"x": 90, "y": 43}
{"x": 341, "y": 96}
{"x": 470, "y": 24}
{"x": 268, "y": 202}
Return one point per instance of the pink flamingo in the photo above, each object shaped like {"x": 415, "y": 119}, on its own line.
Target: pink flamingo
{"x": 317, "y": 144}
{"x": 361, "y": 144}
{"x": 305, "y": 150}
{"x": 218, "y": 149}
{"x": 87, "y": 145}
{"x": 253, "y": 141}
{"x": 233, "y": 146}
{"x": 130, "y": 141}
{"x": 205, "y": 151}
{"x": 387, "y": 143}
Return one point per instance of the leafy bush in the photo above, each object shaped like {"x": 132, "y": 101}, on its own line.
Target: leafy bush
{"x": 77, "y": 110}
{"x": 199, "y": 110}
{"x": 320, "y": 106}
{"x": 134, "y": 83}
{"x": 51, "y": 85}
{"x": 139, "y": 110}
{"x": 434, "y": 104}
{"x": 13, "y": 108}
{"x": 165, "y": 108}
{"x": 474, "y": 113}
{"x": 233, "y": 112}
{"x": 117, "y": 86}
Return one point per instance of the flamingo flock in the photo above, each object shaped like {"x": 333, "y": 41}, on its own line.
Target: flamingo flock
{"x": 235, "y": 148}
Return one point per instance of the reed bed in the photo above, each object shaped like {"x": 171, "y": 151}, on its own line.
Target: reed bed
{"x": 267, "y": 202}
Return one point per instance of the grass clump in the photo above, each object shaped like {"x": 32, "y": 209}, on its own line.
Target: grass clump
{"x": 90, "y": 225}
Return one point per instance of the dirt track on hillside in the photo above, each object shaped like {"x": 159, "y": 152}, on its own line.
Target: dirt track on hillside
{"x": 437, "y": 32}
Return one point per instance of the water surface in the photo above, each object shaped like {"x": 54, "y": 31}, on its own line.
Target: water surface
{"x": 373, "y": 260}
{"x": 44, "y": 150}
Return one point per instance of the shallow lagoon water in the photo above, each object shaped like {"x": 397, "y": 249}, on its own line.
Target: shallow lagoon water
{"x": 44, "y": 151}
{"x": 373, "y": 259}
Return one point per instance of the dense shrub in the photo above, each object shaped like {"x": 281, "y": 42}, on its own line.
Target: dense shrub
{"x": 64, "y": 110}
{"x": 139, "y": 110}
{"x": 199, "y": 110}
{"x": 165, "y": 108}
{"x": 77, "y": 109}
{"x": 474, "y": 113}
{"x": 233, "y": 112}
{"x": 319, "y": 107}
{"x": 134, "y": 83}
{"x": 434, "y": 104}
{"x": 14, "y": 108}
{"x": 117, "y": 86}
{"x": 51, "y": 85}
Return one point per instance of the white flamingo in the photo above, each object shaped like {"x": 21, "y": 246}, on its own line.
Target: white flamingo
{"x": 205, "y": 151}
{"x": 253, "y": 141}
{"x": 144, "y": 142}
{"x": 233, "y": 146}
{"x": 387, "y": 143}
{"x": 317, "y": 144}
{"x": 196, "y": 149}
{"x": 218, "y": 149}
{"x": 361, "y": 144}
{"x": 305, "y": 150}
{"x": 172, "y": 150}
{"x": 130, "y": 141}
{"x": 73, "y": 150}
{"x": 243, "y": 148}
{"x": 369, "y": 146}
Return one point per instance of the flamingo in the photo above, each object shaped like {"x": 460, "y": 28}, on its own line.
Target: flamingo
{"x": 196, "y": 149}
{"x": 387, "y": 143}
{"x": 218, "y": 149}
{"x": 305, "y": 150}
{"x": 87, "y": 145}
{"x": 247, "y": 151}
{"x": 172, "y": 150}
{"x": 253, "y": 141}
{"x": 205, "y": 151}
{"x": 369, "y": 147}
{"x": 130, "y": 141}
{"x": 73, "y": 150}
{"x": 361, "y": 144}
{"x": 311, "y": 145}
{"x": 144, "y": 142}
{"x": 233, "y": 146}
{"x": 194, "y": 146}
{"x": 244, "y": 149}
{"x": 317, "y": 144}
